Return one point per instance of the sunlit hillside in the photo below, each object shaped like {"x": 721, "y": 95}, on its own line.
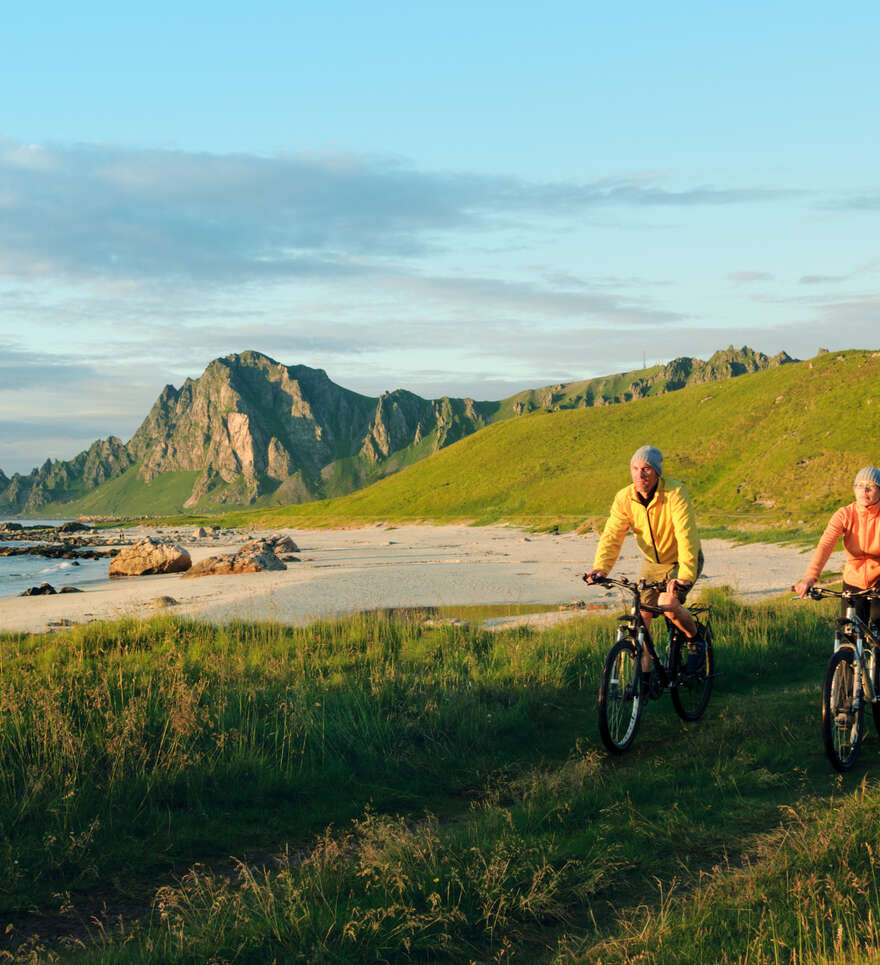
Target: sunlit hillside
{"x": 772, "y": 448}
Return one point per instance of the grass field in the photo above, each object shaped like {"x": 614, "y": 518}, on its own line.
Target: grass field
{"x": 378, "y": 790}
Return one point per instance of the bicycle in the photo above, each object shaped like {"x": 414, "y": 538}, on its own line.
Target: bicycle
{"x": 625, "y": 688}
{"x": 852, "y": 676}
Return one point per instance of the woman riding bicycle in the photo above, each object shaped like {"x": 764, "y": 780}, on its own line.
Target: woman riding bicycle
{"x": 859, "y": 525}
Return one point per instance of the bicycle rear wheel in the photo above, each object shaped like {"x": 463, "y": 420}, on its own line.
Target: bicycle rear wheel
{"x": 620, "y": 699}
{"x": 842, "y": 723}
{"x": 691, "y": 691}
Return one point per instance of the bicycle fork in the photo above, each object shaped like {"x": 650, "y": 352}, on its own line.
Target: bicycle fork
{"x": 863, "y": 661}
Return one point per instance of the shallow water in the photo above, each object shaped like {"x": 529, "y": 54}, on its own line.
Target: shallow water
{"x": 18, "y": 573}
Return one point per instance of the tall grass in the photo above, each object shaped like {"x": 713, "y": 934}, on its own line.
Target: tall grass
{"x": 807, "y": 892}
{"x": 170, "y": 738}
{"x": 430, "y": 794}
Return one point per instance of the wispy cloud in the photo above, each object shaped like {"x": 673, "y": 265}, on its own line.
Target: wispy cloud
{"x": 822, "y": 279}
{"x": 114, "y": 213}
{"x": 866, "y": 201}
{"x": 26, "y": 369}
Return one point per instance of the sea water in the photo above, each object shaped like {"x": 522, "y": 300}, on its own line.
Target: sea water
{"x": 18, "y": 573}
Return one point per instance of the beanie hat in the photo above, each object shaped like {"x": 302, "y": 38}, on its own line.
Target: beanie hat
{"x": 654, "y": 458}
{"x": 870, "y": 474}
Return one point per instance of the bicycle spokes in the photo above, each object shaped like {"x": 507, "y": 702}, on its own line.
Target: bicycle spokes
{"x": 842, "y": 712}
{"x": 620, "y": 701}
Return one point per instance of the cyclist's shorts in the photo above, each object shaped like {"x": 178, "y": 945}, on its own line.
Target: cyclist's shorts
{"x": 655, "y": 572}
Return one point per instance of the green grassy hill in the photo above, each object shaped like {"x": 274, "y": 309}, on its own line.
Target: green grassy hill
{"x": 770, "y": 449}
{"x": 116, "y": 497}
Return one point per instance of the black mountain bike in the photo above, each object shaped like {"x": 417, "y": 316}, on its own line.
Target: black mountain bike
{"x": 625, "y": 688}
{"x": 852, "y": 679}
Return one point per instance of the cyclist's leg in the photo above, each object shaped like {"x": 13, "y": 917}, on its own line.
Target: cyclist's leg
{"x": 679, "y": 615}
{"x": 693, "y": 631}
{"x": 651, "y": 573}
{"x": 867, "y": 610}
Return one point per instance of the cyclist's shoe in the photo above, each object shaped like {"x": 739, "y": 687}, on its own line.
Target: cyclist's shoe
{"x": 696, "y": 661}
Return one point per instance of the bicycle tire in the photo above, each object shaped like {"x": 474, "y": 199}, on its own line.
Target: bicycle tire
{"x": 842, "y": 728}
{"x": 691, "y": 692}
{"x": 620, "y": 698}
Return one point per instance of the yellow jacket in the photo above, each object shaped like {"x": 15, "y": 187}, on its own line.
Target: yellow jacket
{"x": 665, "y": 529}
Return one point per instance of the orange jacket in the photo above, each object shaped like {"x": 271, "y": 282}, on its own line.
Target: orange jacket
{"x": 665, "y": 529}
{"x": 860, "y": 528}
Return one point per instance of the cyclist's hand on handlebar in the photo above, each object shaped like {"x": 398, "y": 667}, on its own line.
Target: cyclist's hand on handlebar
{"x": 803, "y": 588}
{"x": 594, "y": 576}
{"x": 673, "y": 586}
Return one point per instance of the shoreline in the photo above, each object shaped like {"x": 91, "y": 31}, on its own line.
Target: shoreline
{"x": 345, "y": 571}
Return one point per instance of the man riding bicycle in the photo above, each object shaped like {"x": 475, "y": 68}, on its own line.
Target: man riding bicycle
{"x": 659, "y": 512}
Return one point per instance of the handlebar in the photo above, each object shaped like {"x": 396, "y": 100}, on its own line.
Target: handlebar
{"x": 820, "y": 592}
{"x": 624, "y": 583}
{"x": 637, "y": 589}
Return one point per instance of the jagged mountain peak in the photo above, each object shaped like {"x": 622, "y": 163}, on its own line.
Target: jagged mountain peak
{"x": 251, "y": 428}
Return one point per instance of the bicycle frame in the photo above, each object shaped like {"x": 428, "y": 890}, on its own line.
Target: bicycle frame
{"x": 625, "y": 688}
{"x": 850, "y": 679}
{"x": 866, "y": 645}
{"x": 632, "y": 626}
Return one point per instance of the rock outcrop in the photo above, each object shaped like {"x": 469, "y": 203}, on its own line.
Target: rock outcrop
{"x": 44, "y": 589}
{"x": 149, "y": 556}
{"x": 61, "y": 481}
{"x": 251, "y": 557}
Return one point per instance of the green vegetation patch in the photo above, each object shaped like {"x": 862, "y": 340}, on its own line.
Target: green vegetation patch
{"x": 164, "y": 494}
{"x": 430, "y": 793}
{"x": 773, "y": 451}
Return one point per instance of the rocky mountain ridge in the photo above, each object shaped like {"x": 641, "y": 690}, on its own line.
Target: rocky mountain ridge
{"x": 250, "y": 428}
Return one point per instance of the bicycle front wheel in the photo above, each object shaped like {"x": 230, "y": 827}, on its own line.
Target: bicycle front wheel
{"x": 691, "y": 691}
{"x": 842, "y": 721}
{"x": 620, "y": 699}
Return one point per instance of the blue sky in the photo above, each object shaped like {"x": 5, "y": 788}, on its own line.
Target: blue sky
{"x": 468, "y": 200}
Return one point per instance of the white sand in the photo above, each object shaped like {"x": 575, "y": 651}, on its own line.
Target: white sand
{"x": 343, "y": 571}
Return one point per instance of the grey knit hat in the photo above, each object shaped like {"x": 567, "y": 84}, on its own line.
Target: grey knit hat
{"x": 870, "y": 474}
{"x": 654, "y": 458}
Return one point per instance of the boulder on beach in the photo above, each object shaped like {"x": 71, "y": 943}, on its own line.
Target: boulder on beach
{"x": 161, "y": 602}
{"x": 252, "y": 557}
{"x": 149, "y": 556}
{"x": 44, "y": 589}
{"x": 284, "y": 544}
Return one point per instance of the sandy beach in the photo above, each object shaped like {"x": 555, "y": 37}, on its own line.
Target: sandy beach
{"x": 350, "y": 570}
